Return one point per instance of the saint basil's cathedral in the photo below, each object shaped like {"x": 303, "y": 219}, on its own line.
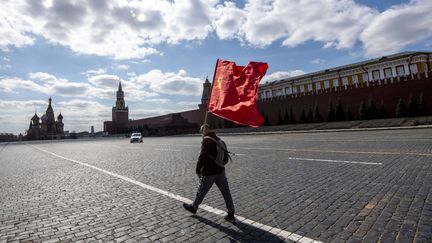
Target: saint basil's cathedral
{"x": 46, "y": 127}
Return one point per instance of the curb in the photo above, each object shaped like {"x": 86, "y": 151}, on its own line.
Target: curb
{"x": 330, "y": 130}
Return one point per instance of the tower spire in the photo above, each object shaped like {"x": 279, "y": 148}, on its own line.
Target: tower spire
{"x": 120, "y": 104}
{"x": 206, "y": 91}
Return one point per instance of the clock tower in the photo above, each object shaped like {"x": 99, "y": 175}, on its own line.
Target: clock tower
{"x": 120, "y": 112}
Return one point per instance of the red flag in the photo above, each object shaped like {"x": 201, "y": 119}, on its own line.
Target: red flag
{"x": 234, "y": 90}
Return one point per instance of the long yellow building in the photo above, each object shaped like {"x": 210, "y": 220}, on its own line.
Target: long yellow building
{"x": 385, "y": 68}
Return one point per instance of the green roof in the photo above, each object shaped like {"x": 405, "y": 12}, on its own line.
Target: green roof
{"x": 349, "y": 66}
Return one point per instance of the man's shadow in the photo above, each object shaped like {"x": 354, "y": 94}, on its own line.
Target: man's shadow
{"x": 244, "y": 232}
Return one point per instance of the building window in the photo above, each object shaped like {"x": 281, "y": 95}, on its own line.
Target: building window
{"x": 318, "y": 86}
{"x": 294, "y": 90}
{"x": 326, "y": 84}
{"x": 260, "y": 96}
{"x": 335, "y": 83}
{"x": 354, "y": 79}
{"x": 302, "y": 89}
{"x": 309, "y": 87}
{"x": 400, "y": 70}
{"x": 388, "y": 73}
{"x": 413, "y": 68}
{"x": 345, "y": 80}
{"x": 288, "y": 90}
{"x": 375, "y": 74}
{"x": 278, "y": 92}
{"x": 268, "y": 94}
{"x": 365, "y": 77}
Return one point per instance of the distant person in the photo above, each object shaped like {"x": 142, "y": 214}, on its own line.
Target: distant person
{"x": 210, "y": 171}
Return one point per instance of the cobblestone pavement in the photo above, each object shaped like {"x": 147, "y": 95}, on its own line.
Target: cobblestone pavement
{"x": 330, "y": 187}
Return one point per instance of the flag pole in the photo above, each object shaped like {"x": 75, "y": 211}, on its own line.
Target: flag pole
{"x": 211, "y": 89}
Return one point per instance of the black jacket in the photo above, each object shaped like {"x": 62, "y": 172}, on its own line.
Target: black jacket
{"x": 206, "y": 165}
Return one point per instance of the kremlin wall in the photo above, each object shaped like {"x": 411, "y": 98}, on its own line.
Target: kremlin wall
{"x": 399, "y": 85}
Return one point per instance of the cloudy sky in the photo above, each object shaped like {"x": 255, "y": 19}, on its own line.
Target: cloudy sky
{"x": 77, "y": 51}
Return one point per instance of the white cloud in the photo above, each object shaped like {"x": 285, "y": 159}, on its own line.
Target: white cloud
{"x": 79, "y": 115}
{"x": 318, "y": 61}
{"x": 14, "y": 28}
{"x": 45, "y": 77}
{"x": 120, "y": 29}
{"x": 105, "y": 81}
{"x": 171, "y": 83}
{"x": 187, "y": 105}
{"x": 11, "y": 84}
{"x": 90, "y": 73}
{"x": 281, "y": 75}
{"x": 60, "y": 86}
{"x": 29, "y": 105}
{"x": 121, "y": 66}
{"x": 16, "y": 114}
{"x": 398, "y": 27}
{"x": 5, "y": 63}
{"x": 71, "y": 89}
{"x": 230, "y": 21}
{"x": 262, "y": 22}
{"x": 106, "y": 85}
{"x": 46, "y": 84}
{"x": 4, "y": 66}
{"x": 130, "y": 29}
{"x": 158, "y": 100}
{"x": 102, "y": 86}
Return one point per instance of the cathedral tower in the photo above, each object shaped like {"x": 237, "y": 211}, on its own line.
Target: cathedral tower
{"x": 50, "y": 121}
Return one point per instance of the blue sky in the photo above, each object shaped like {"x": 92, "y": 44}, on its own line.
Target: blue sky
{"x": 77, "y": 51}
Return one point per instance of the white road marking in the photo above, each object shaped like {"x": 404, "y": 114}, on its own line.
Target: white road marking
{"x": 338, "y": 151}
{"x": 161, "y": 149}
{"x": 236, "y": 154}
{"x": 283, "y": 233}
{"x": 182, "y": 145}
{"x": 317, "y": 150}
{"x": 336, "y": 161}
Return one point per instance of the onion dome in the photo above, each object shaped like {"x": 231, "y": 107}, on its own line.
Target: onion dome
{"x": 44, "y": 118}
{"x": 59, "y": 117}
{"x": 35, "y": 117}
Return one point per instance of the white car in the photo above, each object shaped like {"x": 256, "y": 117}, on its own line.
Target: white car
{"x": 136, "y": 137}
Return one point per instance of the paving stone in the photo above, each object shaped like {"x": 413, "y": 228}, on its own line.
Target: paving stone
{"x": 325, "y": 201}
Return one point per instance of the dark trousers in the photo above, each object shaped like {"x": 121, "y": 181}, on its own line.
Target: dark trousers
{"x": 222, "y": 183}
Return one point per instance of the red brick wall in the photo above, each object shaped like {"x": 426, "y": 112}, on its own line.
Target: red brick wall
{"x": 382, "y": 91}
{"x": 193, "y": 116}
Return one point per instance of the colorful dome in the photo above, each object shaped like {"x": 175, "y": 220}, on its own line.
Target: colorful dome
{"x": 59, "y": 117}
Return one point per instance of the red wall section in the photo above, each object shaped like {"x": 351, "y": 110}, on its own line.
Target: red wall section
{"x": 386, "y": 91}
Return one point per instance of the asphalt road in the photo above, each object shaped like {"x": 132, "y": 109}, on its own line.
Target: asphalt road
{"x": 345, "y": 186}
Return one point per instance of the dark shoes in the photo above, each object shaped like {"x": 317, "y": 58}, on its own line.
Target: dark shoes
{"x": 230, "y": 218}
{"x": 189, "y": 208}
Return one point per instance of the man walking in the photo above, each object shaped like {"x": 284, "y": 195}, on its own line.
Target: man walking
{"x": 210, "y": 172}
